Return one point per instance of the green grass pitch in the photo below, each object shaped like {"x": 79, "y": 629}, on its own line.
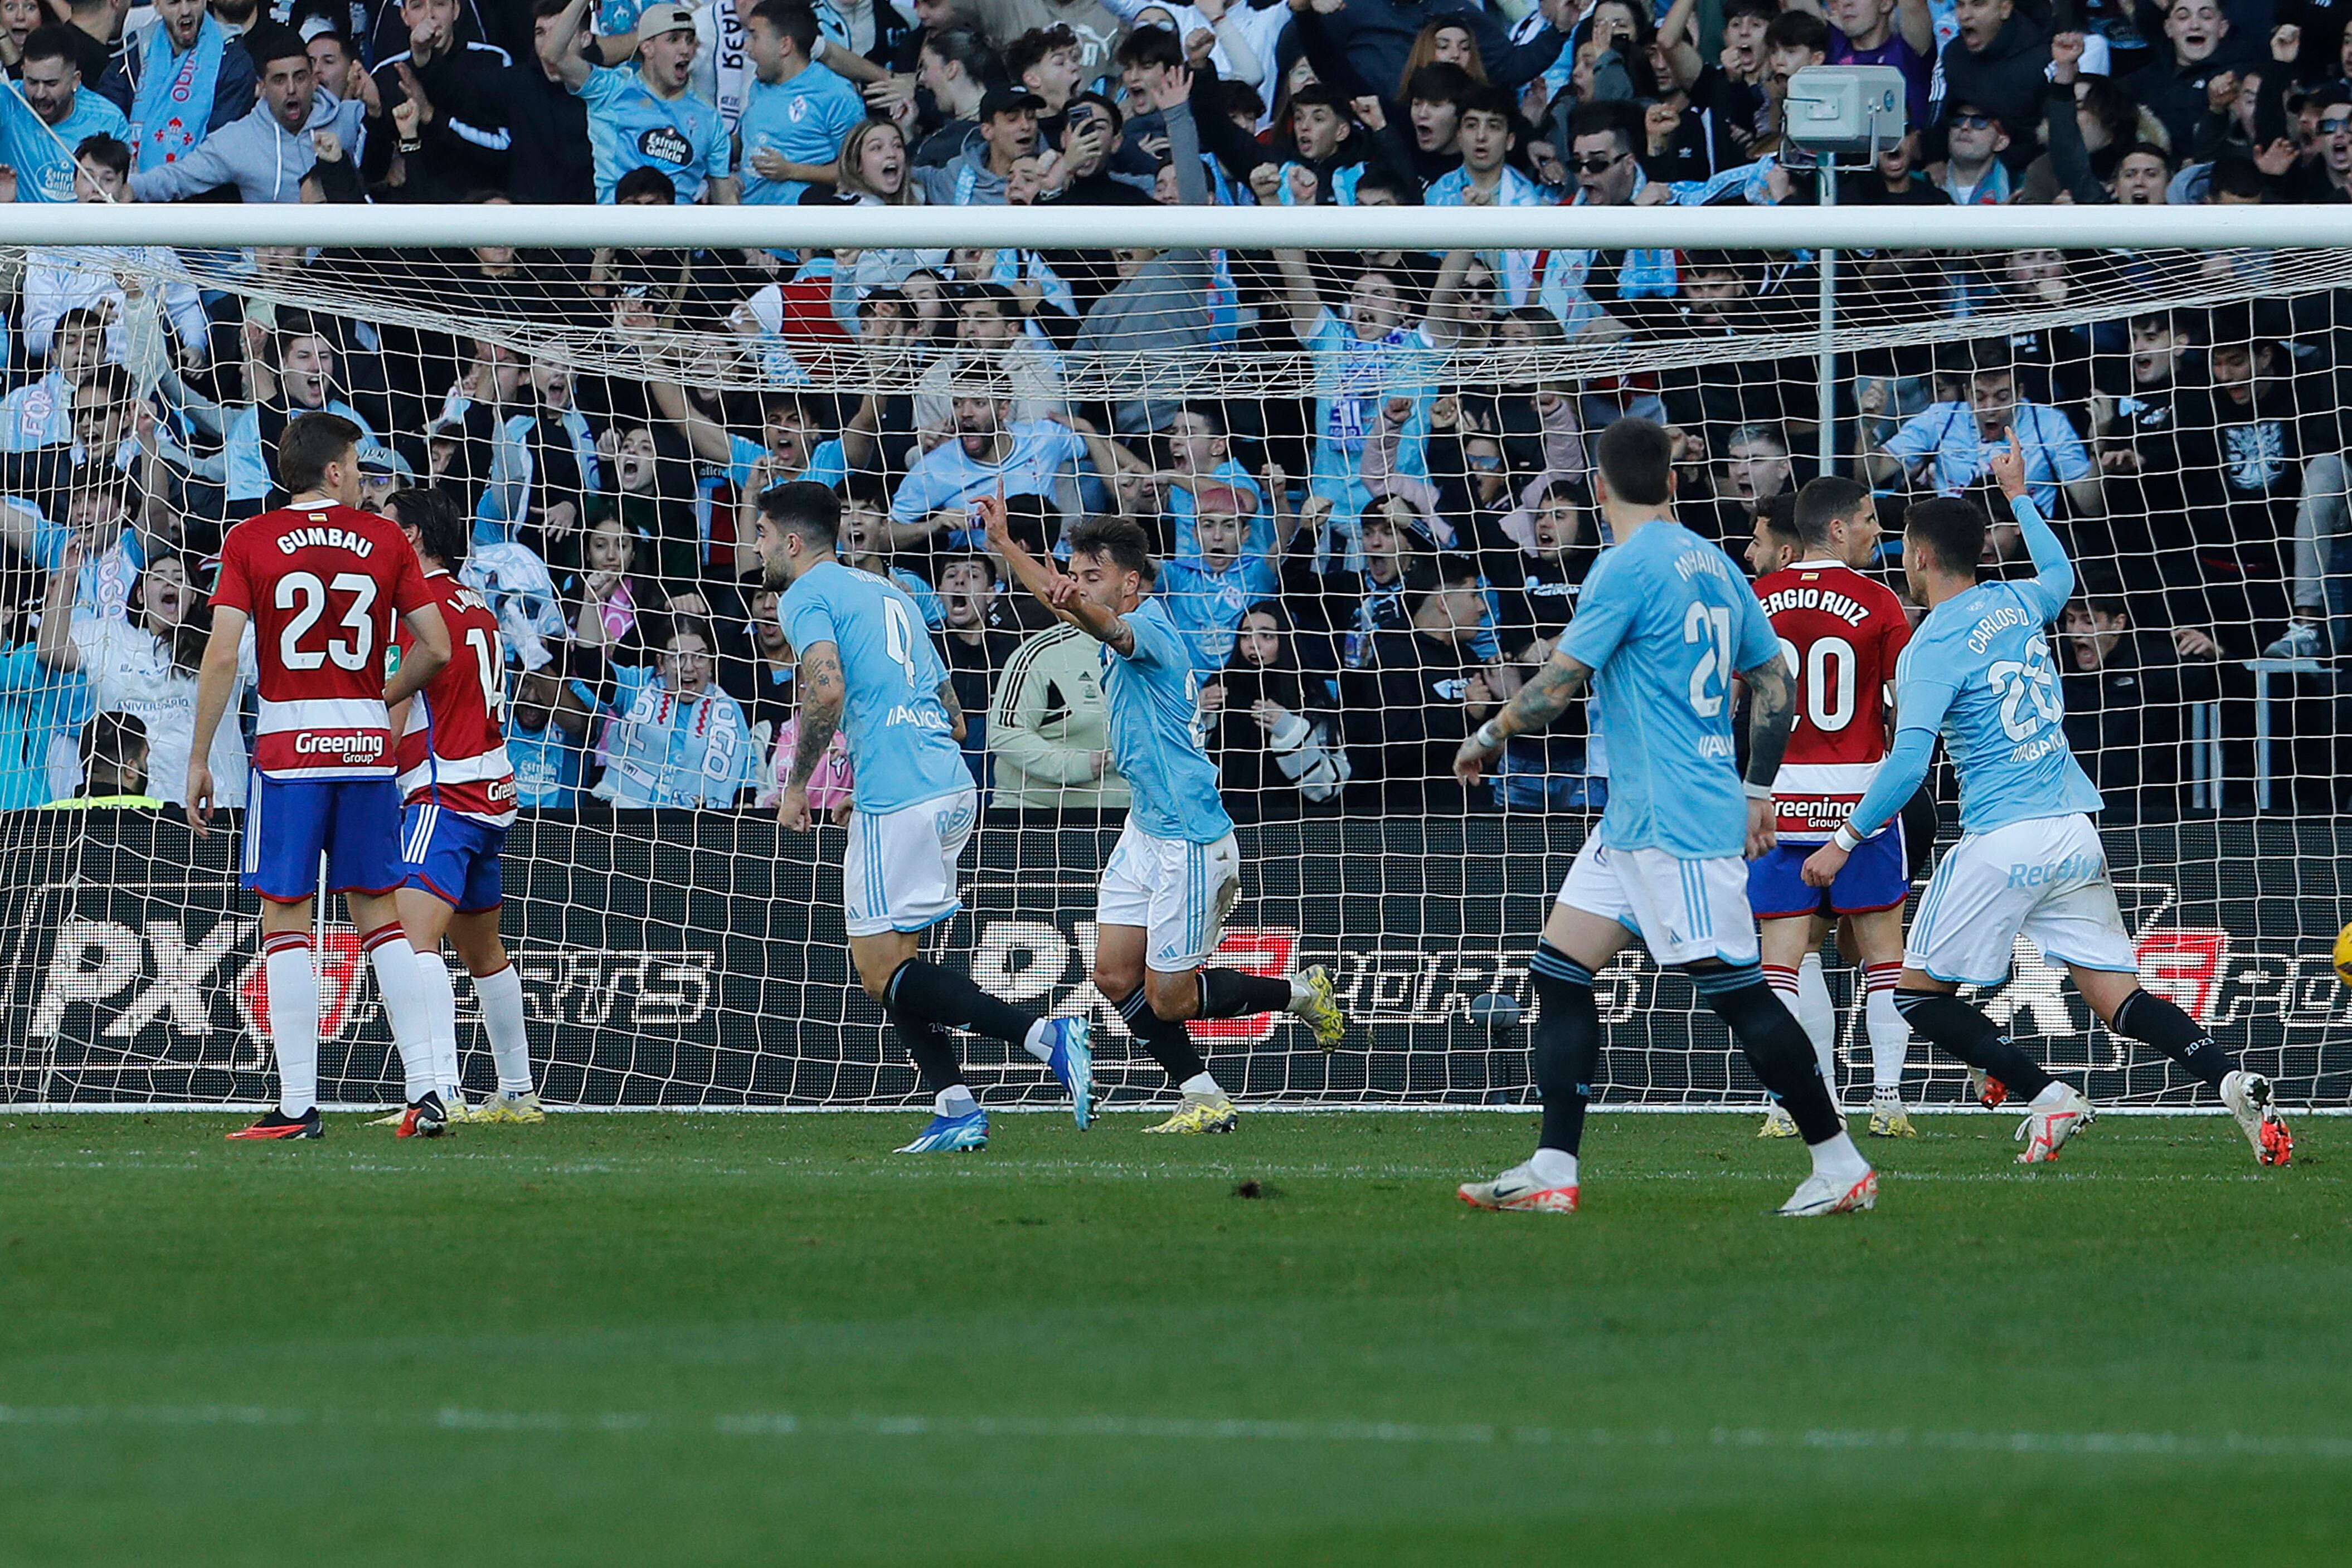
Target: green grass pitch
{"x": 654, "y": 1339}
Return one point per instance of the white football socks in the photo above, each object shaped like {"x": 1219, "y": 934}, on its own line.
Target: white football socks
{"x": 1890, "y": 1036}
{"x": 1553, "y": 1167}
{"x": 1837, "y": 1157}
{"x": 1818, "y": 1015}
{"x": 2051, "y": 1097}
{"x": 500, "y": 994}
{"x": 956, "y": 1100}
{"x": 1035, "y": 1043}
{"x": 293, "y": 1019}
{"x": 405, "y": 1006}
{"x": 441, "y": 998}
{"x": 1199, "y": 1084}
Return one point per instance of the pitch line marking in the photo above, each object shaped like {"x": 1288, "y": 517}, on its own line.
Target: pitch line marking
{"x": 779, "y": 1424}
{"x": 985, "y": 1168}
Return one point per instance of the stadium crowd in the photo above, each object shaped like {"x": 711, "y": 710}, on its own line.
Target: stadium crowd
{"x": 1366, "y": 562}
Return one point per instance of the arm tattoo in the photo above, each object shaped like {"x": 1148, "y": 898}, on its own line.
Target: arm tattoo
{"x": 1118, "y": 635}
{"x": 946, "y": 696}
{"x": 1545, "y": 696}
{"x": 1771, "y": 711}
{"x": 821, "y": 696}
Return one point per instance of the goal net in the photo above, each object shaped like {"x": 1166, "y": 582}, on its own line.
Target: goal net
{"x": 1368, "y": 474}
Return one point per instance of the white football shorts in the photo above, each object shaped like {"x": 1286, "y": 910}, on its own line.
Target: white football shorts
{"x": 2045, "y": 879}
{"x": 1683, "y": 910}
{"x": 1180, "y": 892}
{"x": 898, "y": 873}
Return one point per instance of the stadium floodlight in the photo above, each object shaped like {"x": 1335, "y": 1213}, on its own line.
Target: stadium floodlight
{"x": 1857, "y": 110}
{"x": 1854, "y": 112}
{"x": 686, "y": 958}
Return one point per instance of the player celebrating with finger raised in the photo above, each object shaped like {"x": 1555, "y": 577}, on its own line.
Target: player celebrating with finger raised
{"x": 1176, "y": 873}
{"x": 867, "y": 667}
{"x": 1664, "y": 624}
{"x": 2029, "y": 860}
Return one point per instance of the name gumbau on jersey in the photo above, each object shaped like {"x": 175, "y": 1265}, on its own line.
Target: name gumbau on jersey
{"x": 1828, "y": 601}
{"x": 294, "y": 539}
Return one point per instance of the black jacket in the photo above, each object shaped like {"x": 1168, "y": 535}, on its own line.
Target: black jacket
{"x": 1403, "y": 718}
{"x": 2125, "y": 722}
{"x": 548, "y": 157}
{"x": 463, "y": 149}
{"x": 2174, "y": 94}
{"x": 2005, "y": 81}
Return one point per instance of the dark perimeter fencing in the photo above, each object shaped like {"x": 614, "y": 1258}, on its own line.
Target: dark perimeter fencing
{"x": 697, "y": 959}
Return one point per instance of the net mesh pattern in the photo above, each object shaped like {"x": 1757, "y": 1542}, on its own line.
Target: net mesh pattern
{"x": 1372, "y": 477}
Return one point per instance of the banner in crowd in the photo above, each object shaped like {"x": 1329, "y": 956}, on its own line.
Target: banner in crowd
{"x": 697, "y": 959}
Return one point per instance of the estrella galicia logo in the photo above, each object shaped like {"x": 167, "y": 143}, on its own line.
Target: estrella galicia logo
{"x": 666, "y": 144}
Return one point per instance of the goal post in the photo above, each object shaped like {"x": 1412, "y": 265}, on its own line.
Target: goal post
{"x": 1367, "y": 460}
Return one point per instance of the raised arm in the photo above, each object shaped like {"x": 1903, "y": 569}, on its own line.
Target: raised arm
{"x": 1173, "y": 97}
{"x": 1543, "y": 699}
{"x": 2053, "y": 574}
{"x": 707, "y": 438}
{"x": 1918, "y": 26}
{"x": 1299, "y": 289}
{"x": 1681, "y": 47}
{"x": 53, "y": 645}
{"x": 1054, "y": 590}
{"x": 566, "y": 63}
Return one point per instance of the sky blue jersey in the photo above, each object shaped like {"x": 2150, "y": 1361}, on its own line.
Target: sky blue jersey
{"x": 1978, "y": 672}
{"x": 41, "y": 153}
{"x": 1664, "y": 621}
{"x": 902, "y": 746}
{"x": 630, "y": 128}
{"x": 1154, "y": 697}
{"x": 803, "y": 119}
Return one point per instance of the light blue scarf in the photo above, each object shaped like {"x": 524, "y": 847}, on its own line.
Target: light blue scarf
{"x": 173, "y": 107}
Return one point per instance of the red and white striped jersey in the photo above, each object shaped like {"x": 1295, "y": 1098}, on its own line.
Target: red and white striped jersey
{"x": 1840, "y": 632}
{"x": 453, "y": 744}
{"x": 326, "y": 587}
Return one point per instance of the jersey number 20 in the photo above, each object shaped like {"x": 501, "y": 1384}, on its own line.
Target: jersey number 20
{"x": 1826, "y": 681}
